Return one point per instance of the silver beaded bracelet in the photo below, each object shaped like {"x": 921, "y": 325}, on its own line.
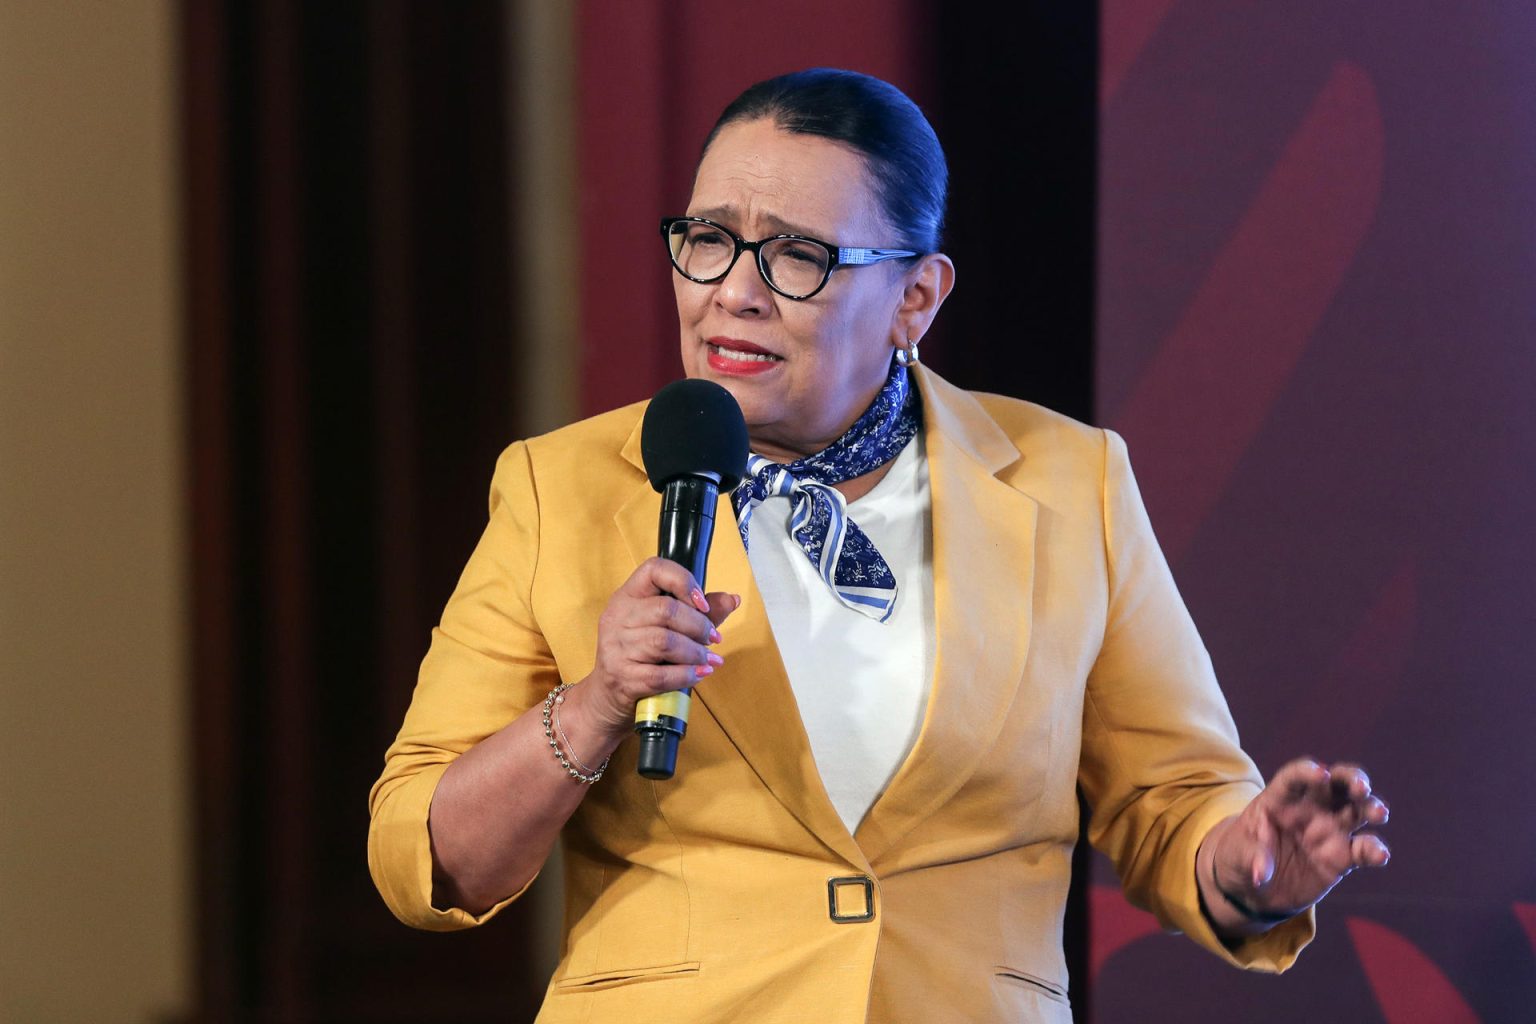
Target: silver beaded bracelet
{"x": 581, "y": 774}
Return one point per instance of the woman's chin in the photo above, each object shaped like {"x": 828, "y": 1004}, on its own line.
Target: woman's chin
{"x": 754, "y": 412}
{"x": 749, "y": 394}
{"x": 758, "y": 397}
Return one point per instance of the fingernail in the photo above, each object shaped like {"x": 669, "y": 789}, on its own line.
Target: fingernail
{"x": 698, "y": 600}
{"x": 714, "y": 636}
{"x": 714, "y": 659}
{"x": 700, "y": 671}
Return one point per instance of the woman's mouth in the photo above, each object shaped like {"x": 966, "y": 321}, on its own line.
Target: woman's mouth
{"x": 740, "y": 361}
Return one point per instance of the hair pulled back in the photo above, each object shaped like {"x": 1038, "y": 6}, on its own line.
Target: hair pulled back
{"x": 905, "y": 160}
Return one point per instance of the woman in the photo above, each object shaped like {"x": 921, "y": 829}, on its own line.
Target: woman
{"x": 876, "y": 804}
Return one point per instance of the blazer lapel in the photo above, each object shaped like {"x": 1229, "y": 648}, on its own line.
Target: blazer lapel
{"x": 750, "y": 695}
{"x": 983, "y": 576}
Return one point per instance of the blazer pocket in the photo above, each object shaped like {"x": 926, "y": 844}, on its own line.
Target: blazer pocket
{"x": 626, "y": 976}
{"x": 1050, "y": 990}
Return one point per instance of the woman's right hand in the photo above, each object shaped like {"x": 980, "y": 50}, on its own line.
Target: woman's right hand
{"x": 649, "y": 642}
{"x": 498, "y": 807}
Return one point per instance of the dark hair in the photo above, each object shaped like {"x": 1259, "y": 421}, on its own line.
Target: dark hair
{"x": 905, "y": 159}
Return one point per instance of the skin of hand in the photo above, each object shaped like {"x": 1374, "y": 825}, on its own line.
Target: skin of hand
{"x": 648, "y": 643}
{"x": 1294, "y": 842}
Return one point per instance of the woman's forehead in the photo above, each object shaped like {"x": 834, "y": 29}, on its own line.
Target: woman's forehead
{"x": 758, "y": 178}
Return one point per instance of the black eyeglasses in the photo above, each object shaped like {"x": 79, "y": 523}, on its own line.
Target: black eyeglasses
{"x": 795, "y": 266}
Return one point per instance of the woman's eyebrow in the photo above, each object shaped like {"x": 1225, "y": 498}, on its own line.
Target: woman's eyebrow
{"x": 731, "y": 216}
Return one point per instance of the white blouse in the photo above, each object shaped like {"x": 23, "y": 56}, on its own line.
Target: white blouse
{"x": 862, "y": 686}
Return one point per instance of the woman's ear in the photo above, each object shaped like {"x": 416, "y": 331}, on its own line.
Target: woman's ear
{"x": 925, "y": 287}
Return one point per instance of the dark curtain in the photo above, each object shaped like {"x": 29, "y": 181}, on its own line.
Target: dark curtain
{"x": 349, "y": 371}
{"x": 1016, "y": 107}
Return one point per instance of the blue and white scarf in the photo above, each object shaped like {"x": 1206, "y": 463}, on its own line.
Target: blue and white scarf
{"x": 838, "y": 550}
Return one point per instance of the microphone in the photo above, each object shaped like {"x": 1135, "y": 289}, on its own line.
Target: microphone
{"x": 693, "y": 442}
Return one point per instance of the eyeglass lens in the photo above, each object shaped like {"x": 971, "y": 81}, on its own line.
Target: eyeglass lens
{"x": 704, "y": 252}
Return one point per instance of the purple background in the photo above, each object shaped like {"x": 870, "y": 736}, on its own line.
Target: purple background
{"x": 1316, "y": 311}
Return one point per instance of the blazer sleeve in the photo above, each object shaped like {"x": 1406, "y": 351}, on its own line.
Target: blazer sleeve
{"x": 488, "y": 663}
{"x": 1161, "y": 763}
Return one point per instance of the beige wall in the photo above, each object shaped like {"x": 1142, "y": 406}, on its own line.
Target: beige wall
{"x": 541, "y": 63}
{"x": 94, "y": 783}
{"x": 541, "y": 59}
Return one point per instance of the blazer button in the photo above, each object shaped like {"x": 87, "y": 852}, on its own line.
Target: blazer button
{"x": 851, "y": 898}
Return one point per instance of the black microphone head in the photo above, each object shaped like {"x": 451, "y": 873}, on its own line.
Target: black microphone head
{"x": 694, "y": 428}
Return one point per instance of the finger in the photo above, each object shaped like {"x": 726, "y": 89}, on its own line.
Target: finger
{"x": 721, "y": 605}
{"x": 664, "y": 576}
{"x": 1350, "y": 797}
{"x": 1235, "y": 851}
{"x": 1350, "y": 782}
{"x": 657, "y": 645}
{"x": 1262, "y": 868}
{"x": 1367, "y": 850}
{"x": 1370, "y": 811}
{"x": 670, "y": 613}
{"x": 1261, "y": 864}
{"x": 1300, "y": 779}
{"x": 654, "y": 679}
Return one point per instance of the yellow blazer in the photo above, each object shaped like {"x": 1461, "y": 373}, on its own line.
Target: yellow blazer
{"x": 1065, "y": 657}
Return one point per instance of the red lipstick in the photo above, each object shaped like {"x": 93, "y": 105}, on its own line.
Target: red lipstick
{"x": 737, "y": 358}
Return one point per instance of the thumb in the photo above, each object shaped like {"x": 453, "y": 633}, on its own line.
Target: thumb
{"x": 721, "y": 605}
{"x": 1261, "y": 868}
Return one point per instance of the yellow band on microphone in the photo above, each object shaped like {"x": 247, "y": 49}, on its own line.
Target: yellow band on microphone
{"x": 672, "y": 705}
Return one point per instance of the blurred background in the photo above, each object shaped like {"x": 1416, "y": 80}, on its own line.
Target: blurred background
{"x": 278, "y": 280}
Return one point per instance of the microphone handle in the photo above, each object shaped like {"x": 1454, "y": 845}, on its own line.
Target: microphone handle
{"x": 686, "y": 528}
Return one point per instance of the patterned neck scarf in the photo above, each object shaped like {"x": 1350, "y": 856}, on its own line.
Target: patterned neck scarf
{"x": 839, "y": 551}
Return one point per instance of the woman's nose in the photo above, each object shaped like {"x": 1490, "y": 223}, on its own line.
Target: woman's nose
{"x": 742, "y": 291}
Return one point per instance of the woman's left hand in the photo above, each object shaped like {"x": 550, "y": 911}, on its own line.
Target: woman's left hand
{"x": 1292, "y": 843}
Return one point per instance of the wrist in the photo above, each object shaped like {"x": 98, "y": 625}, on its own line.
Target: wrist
{"x": 1245, "y": 910}
{"x": 594, "y": 728}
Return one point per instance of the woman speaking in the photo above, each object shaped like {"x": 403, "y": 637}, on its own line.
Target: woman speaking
{"x": 936, "y": 614}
